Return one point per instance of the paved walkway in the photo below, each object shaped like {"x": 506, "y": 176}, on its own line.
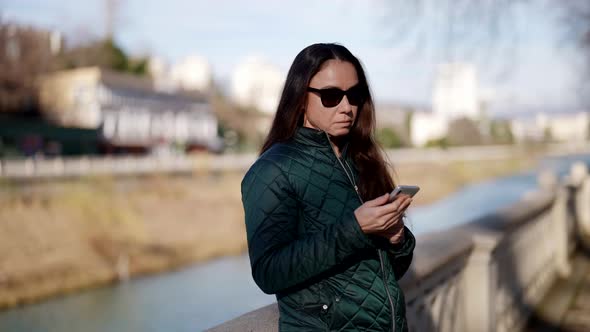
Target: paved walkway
{"x": 567, "y": 305}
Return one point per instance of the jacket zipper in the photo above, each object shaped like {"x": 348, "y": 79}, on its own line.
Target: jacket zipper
{"x": 379, "y": 251}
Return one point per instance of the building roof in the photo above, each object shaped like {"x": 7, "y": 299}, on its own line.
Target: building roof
{"x": 133, "y": 85}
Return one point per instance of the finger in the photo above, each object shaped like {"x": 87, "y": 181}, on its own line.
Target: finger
{"x": 382, "y": 224}
{"x": 405, "y": 204}
{"x": 402, "y": 196}
{"x": 407, "y": 198}
{"x": 396, "y": 204}
{"x": 378, "y": 201}
{"x": 387, "y": 208}
{"x": 387, "y": 217}
{"x": 391, "y": 221}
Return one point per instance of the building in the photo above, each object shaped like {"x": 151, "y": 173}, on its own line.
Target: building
{"x": 127, "y": 109}
{"x": 257, "y": 84}
{"x": 552, "y": 126}
{"x": 427, "y": 126}
{"x": 455, "y": 91}
{"x": 400, "y": 118}
{"x": 193, "y": 73}
{"x": 573, "y": 127}
{"x": 159, "y": 71}
{"x": 456, "y": 95}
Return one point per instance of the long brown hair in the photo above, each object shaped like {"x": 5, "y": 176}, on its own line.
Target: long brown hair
{"x": 375, "y": 180}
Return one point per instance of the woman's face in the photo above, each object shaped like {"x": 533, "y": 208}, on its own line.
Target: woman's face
{"x": 337, "y": 120}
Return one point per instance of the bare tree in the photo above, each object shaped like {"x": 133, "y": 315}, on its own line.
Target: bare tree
{"x": 576, "y": 19}
{"x": 481, "y": 30}
{"x": 111, "y": 12}
{"x": 457, "y": 28}
{"x": 25, "y": 53}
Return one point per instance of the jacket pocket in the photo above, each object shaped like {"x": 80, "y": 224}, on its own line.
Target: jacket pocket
{"x": 316, "y": 313}
{"x": 333, "y": 299}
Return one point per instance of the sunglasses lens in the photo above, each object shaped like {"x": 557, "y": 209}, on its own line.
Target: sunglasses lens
{"x": 331, "y": 97}
{"x": 355, "y": 96}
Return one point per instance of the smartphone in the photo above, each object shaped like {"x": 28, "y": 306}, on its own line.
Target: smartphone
{"x": 403, "y": 189}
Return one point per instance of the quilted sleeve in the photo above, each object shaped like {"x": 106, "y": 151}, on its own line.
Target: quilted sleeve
{"x": 401, "y": 256}
{"x": 279, "y": 257}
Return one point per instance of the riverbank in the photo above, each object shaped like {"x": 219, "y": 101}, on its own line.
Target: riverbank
{"x": 61, "y": 236}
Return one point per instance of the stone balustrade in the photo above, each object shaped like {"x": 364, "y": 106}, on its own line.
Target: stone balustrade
{"x": 487, "y": 275}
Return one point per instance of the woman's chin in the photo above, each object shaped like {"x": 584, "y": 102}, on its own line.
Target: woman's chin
{"x": 342, "y": 131}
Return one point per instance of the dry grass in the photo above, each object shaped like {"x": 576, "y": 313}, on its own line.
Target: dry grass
{"x": 64, "y": 235}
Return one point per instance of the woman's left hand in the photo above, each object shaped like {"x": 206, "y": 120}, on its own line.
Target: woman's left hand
{"x": 395, "y": 234}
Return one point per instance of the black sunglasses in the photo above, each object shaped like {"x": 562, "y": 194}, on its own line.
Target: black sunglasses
{"x": 331, "y": 97}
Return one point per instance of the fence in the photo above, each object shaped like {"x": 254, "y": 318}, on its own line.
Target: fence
{"x": 138, "y": 165}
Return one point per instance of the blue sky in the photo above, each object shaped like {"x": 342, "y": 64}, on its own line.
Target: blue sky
{"x": 542, "y": 75}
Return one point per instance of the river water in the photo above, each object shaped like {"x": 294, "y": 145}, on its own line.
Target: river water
{"x": 204, "y": 295}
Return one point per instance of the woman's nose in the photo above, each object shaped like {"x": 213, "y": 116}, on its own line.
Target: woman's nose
{"x": 345, "y": 105}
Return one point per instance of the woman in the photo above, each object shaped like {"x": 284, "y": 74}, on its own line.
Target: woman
{"x": 332, "y": 260}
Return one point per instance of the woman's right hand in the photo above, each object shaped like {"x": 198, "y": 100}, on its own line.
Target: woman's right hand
{"x": 378, "y": 216}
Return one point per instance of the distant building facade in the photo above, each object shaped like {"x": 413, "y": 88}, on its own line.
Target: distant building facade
{"x": 257, "y": 84}
{"x": 192, "y": 73}
{"x": 427, "y": 126}
{"x": 401, "y": 118}
{"x": 455, "y": 92}
{"x": 558, "y": 127}
{"x": 127, "y": 109}
{"x": 455, "y": 95}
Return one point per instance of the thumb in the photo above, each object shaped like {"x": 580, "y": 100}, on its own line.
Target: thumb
{"x": 379, "y": 200}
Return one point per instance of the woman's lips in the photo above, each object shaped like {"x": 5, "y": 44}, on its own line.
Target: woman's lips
{"x": 344, "y": 122}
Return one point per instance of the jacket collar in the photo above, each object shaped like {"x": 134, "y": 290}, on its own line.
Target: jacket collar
{"x": 316, "y": 138}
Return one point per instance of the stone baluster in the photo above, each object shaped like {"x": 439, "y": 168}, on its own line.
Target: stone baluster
{"x": 479, "y": 280}
{"x": 581, "y": 179}
{"x": 548, "y": 181}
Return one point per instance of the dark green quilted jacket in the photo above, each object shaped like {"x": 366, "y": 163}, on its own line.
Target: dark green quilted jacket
{"x": 306, "y": 246}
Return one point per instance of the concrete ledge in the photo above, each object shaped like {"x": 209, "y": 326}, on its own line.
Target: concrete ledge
{"x": 265, "y": 319}
{"x": 514, "y": 216}
{"x": 434, "y": 254}
{"x": 434, "y": 251}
